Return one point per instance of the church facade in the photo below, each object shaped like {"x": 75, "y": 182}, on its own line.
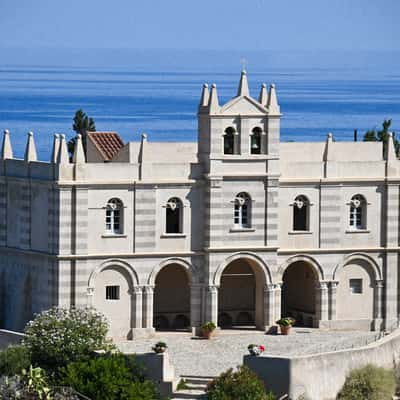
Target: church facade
{"x": 238, "y": 228}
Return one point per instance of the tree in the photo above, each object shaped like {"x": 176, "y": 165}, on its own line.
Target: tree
{"x": 82, "y": 124}
{"x": 382, "y": 135}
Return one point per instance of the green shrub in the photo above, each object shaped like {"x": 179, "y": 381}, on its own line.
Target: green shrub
{"x": 242, "y": 384}
{"x": 59, "y": 336}
{"x": 369, "y": 383}
{"x": 109, "y": 378}
{"x": 14, "y": 359}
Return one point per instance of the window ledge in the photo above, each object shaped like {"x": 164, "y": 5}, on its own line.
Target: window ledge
{"x": 242, "y": 230}
{"x": 173, "y": 235}
{"x": 300, "y": 232}
{"x": 358, "y": 231}
{"x": 113, "y": 235}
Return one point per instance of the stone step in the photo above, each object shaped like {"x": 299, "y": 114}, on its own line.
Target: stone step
{"x": 195, "y": 388}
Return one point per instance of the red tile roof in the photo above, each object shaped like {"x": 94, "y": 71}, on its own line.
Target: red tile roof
{"x": 108, "y": 143}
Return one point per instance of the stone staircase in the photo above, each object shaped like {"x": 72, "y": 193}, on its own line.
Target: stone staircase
{"x": 195, "y": 388}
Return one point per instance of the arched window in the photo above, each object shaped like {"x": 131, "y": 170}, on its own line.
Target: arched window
{"x": 301, "y": 208}
{"x": 255, "y": 141}
{"x": 358, "y": 212}
{"x": 114, "y": 216}
{"x": 242, "y": 211}
{"x": 174, "y": 214}
{"x": 229, "y": 141}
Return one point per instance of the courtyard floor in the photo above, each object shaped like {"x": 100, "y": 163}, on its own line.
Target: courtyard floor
{"x": 192, "y": 356}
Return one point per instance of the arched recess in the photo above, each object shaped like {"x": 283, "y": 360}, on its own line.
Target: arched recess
{"x": 300, "y": 279}
{"x": 241, "y": 279}
{"x": 357, "y": 279}
{"x": 112, "y": 284}
{"x": 172, "y": 281}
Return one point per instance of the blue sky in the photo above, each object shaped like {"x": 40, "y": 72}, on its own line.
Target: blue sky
{"x": 202, "y": 24}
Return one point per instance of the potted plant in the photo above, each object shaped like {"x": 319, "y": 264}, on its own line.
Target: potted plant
{"x": 208, "y": 329}
{"x": 160, "y": 347}
{"x": 285, "y": 325}
{"x": 255, "y": 349}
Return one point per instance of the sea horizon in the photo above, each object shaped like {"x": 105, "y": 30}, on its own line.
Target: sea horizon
{"x": 132, "y": 92}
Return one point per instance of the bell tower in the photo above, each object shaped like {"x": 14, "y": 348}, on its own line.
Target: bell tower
{"x": 243, "y": 129}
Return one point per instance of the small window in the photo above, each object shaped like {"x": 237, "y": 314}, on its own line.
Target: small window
{"x": 355, "y": 286}
{"x": 112, "y": 292}
{"x": 229, "y": 141}
{"x": 255, "y": 141}
{"x": 358, "y": 213}
{"x": 174, "y": 214}
{"x": 114, "y": 211}
{"x": 300, "y": 213}
{"x": 242, "y": 211}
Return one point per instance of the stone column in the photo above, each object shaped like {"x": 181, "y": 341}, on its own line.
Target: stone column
{"x": 195, "y": 305}
{"x": 278, "y": 301}
{"x": 148, "y": 308}
{"x": 269, "y": 304}
{"x": 378, "y": 301}
{"x": 236, "y": 143}
{"x": 321, "y": 303}
{"x": 332, "y": 299}
{"x": 212, "y": 304}
{"x": 137, "y": 294}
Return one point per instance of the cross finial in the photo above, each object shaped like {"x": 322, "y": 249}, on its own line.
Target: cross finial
{"x": 243, "y": 61}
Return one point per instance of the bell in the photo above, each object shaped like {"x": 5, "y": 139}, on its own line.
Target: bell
{"x": 254, "y": 146}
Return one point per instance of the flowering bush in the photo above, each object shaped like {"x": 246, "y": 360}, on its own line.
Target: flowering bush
{"x": 60, "y": 336}
{"x": 255, "y": 349}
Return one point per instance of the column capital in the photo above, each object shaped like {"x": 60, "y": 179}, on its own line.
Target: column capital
{"x": 322, "y": 285}
{"x": 273, "y": 286}
{"x": 379, "y": 283}
{"x": 136, "y": 290}
{"x": 212, "y": 288}
{"x": 148, "y": 289}
{"x": 90, "y": 291}
{"x": 333, "y": 284}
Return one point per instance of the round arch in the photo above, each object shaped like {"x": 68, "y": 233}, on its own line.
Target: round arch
{"x": 110, "y": 290}
{"x": 173, "y": 260}
{"x": 242, "y": 255}
{"x": 113, "y": 263}
{"x": 305, "y": 258}
{"x": 172, "y": 280}
{"x": 359, "y": 257}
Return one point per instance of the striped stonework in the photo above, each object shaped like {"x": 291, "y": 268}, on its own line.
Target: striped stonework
{"x": 214, "y": 213}
{"x": 272, "y": 212}
{"x": 80, "y": 283}
{"x": 65, "y": 278}
{"x": 331, "y": 210}
{"x": 392, "y": 259}
{"x": 52, "y": 231}
{"x": 25, "y": 217}
{"x": 3, "y": 214}
{"x": 63, "y": 212}
{"x": 273, "y": 135}
{"x": 81, "y": 220}
{"x": 145, "y": 218}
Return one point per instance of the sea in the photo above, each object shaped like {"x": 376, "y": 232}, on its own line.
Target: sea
{"x": 157, "y": 92}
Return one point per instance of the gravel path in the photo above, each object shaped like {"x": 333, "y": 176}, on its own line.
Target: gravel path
{"x": 199, "y": 357}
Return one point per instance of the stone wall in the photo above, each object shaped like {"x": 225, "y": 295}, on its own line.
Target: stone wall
{"x": 321, "y": 376}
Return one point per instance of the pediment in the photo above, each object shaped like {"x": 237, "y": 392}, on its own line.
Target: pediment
{"x": 243, "y": 105}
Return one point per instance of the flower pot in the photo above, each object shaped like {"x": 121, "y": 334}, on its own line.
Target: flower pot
{"x": 160, "y": 350}
{"x": 207, "y": 333}
{"x": 285, "y": 330}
